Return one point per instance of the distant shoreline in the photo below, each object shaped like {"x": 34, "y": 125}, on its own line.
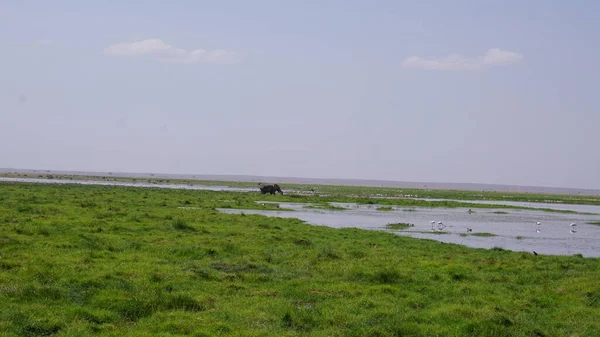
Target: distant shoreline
{"x": 321, "y": 181}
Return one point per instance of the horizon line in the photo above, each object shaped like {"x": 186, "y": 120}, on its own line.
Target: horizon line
{"x": 323, "y": 181}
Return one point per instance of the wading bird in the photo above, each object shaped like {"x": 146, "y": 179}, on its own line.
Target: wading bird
{"x": 441, "y": 225}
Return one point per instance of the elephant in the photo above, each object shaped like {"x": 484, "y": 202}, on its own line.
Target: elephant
{"x": 264, "y": 189}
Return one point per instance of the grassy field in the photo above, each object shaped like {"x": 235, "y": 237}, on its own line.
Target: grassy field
{"x": 346, "y": 194}
{"x": 114, "y": 261}
{"x": 337, "y": 190}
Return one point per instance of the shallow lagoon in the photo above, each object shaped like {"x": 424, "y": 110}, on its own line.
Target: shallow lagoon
{"x": 554, "y": 205}
{"x": 516, "y": 230}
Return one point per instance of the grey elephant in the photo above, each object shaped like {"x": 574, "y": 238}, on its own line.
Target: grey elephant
{"x": 270, "y": 188}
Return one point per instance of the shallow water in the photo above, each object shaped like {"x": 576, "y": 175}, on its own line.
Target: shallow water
{"x": 553, "y": 205}
{"x": 131, "y": 184}
{"x": 515, "y": 231}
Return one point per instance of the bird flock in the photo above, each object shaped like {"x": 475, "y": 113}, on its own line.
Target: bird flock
{"x": 439, "y": 226}
{"x": 573, "y": 226}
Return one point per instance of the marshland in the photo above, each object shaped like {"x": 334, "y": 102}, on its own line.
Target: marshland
{"x": 105, "y": 260}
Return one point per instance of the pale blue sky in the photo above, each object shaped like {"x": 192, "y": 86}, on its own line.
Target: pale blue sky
{"x": 334, "y": 89}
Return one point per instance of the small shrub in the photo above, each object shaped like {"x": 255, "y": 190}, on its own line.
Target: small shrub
{"x": 592, "y": 298}
{"x": 7, "y": 265}
{"x": 303, "y": 242}
{"x": 40, "y": 329}
{"x": 44, "y": 231}
{"x": 328, "y": 253}
{"x": 181, "y": 225}
{"x": 300, "y": 320}
{"x": 87, "y": 204}
{"x": 187, "y": 303}
{"x": 388, "y": 276}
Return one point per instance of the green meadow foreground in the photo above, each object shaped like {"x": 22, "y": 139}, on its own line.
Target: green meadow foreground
{"x": 114, "y": 261}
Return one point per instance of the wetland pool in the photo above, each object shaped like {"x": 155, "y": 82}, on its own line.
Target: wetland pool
{"x": 553, "y": 205}
{"x": 513, "y": 229}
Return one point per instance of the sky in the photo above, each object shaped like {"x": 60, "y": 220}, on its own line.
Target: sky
{"x": 501, "y": 92}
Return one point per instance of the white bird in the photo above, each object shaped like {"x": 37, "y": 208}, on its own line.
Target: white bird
{"x": 573, "y": 224}
{"x": 537, "y": 230}
{"x": 538, "y": 223}
{"x": 573, "y": 231}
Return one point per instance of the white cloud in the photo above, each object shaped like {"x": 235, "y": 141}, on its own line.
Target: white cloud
{"x": 161, "y": 51}
{"x": 493, "y": 57}
{"x": 496, "y": 56}
{"x": 45, "y": 42}
{"x": 450, "y": 62}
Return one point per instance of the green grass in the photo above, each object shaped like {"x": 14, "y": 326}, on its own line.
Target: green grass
{"x": 113, "y": 261}
{"x": 326, "y": 206}
{"x": 433, "y": 232}
{"x": 484, "y": 234}
{"x": 594, "y": 223}
{"x": 265, "y": 205}
{"x": 500, "y": 212}
{"x": 398, "y": 226}
{"x": 385, "y": 208}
